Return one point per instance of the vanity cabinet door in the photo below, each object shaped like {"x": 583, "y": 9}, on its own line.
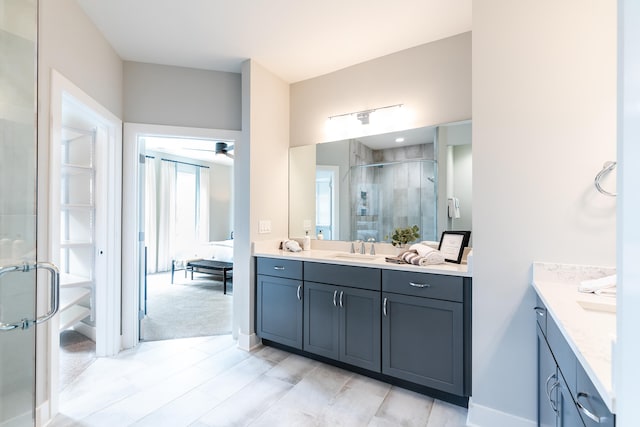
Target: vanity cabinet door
{"x": 279, "y": 310}
{"x": 321, "y": 319}
{"x": 547, "y": 387}
{"x": 342, "y": 324}
{"x": 360, "y": 328}
{"x": 568, "y": 411}
{"x": 423, "y": 341}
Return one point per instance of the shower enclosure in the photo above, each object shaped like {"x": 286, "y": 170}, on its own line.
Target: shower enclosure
{"x": 385, "y": 196}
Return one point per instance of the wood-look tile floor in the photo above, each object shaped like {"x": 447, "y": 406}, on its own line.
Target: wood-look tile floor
{"x": 209, "y": 382}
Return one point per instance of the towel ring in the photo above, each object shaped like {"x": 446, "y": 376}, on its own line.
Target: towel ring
{"x": 606, "y": 168}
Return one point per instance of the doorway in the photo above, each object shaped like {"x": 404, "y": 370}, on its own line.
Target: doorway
{"x": 178, "y": 206}
{"x": 84, "y": 223}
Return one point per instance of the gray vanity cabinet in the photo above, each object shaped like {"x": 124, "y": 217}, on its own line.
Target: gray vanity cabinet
{"x": 279, "y": 301}
{"x": 566, "y": 396}
{"x": 343, "y": 322}
{"x": 423, "y": 330}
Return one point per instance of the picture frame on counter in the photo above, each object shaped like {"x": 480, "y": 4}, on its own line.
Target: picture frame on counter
{"x": 452, "y": 244}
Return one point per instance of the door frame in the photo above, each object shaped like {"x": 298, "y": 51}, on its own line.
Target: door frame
{"x": 108, "y": 335}
{"x": 133, "y": 210}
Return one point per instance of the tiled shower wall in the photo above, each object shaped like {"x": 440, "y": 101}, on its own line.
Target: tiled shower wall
{"x": 396, "y": 191}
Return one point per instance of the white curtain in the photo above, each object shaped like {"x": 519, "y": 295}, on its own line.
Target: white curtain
{"x": 166, "y": 214}
{"x": 151, "y": 212}
{"x": 203, "y": 214}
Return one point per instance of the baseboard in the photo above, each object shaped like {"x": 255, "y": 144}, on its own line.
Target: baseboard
{"x": 483, "y": 416}
{"x": 248, "y": 342}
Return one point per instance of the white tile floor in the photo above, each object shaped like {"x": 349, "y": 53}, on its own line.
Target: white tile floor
{"x": 209, "y": 382}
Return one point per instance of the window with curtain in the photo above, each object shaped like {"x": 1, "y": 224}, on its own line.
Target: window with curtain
{"x": 183, "y": 211}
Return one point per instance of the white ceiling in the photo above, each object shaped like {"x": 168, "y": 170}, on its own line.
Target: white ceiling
{"x": 295, "y": 39}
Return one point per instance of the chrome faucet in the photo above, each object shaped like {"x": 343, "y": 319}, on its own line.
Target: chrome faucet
{"x": 362, "y": 251}
{"x": 353, "y": 248}
{"x": 372, "y": 251}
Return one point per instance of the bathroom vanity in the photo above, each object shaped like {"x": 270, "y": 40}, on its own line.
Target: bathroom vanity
{"x": 575, "y": 334}
{"x": 399, "y": 323}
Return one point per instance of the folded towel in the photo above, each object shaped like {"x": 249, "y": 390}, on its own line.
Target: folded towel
{"x": 597, "y": 284}
{"x": 422, "y": 249}
{"x": 413, "y": 257}
{"x": 291, "y": 246}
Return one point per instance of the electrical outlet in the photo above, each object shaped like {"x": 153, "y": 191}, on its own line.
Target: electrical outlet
{"x": 306, "y": 224}
{"x": 264, "y": 226}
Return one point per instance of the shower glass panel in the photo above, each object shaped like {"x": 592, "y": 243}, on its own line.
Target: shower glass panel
{"x": 390, "y": 195}
{"x": 17, "y": 208}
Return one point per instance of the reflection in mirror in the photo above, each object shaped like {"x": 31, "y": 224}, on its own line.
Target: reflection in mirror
{"x": 363, "y": 188}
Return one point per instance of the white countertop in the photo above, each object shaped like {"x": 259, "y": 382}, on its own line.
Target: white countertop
{"x": 590, "y": 333}
{"x": 337, "y": 256}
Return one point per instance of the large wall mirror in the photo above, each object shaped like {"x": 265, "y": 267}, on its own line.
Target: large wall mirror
{"x": 363, "y": 188}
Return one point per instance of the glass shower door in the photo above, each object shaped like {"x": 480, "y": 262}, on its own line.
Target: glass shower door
{"x": 18, "y": 35}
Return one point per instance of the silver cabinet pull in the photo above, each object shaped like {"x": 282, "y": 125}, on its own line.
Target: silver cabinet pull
{"x": 298, "y": 292}
{"x": 384, "y": 307}
{"x": 548, "y": 391}
{"x": 54, "y": 290}
{"x": 587, "y": 412}
{"x": 554, "y": 404}
{"x": 341, "y": 293}
{"x": 335, "y": 293}
{"x": 539, "y": 310}
{"x": 278, "y": 267}
{"x": 420, "y": 285}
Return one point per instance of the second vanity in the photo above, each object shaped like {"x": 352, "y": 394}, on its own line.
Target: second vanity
{"x": 399, "y": 323}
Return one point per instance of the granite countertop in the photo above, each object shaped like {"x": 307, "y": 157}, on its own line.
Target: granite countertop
{"x": 587, "y": 321}
{"x": 334, "y": 253}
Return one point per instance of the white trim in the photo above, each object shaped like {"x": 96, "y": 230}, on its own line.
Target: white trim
{"x": 108, "y": 314}
{"x": 248, "y": 342}
{"x": 483, "y": 416}
{"x": 131, "y": 249}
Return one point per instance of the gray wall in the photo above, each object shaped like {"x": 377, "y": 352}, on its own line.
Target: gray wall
{"x": 177, "y": 96}
{"x": 433, "y": 81}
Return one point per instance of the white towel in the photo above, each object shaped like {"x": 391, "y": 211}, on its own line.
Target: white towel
{"x": 431, "y": 256}
{"x": 291, "y": 246}
{"x": 598, "y": 285}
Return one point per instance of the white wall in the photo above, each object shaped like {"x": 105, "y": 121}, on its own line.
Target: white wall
{"x": 261, "y": 183}
{"x": 178, "y": 96}
{"x": 432, "y": 80}
{"x": 302, "y": 190}
{"x": 544, "y": 122}
{"x": 69, "y": 43}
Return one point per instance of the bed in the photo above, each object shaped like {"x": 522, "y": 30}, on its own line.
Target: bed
{"x": 221, "y": 250}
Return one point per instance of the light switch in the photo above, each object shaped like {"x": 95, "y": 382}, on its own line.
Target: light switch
{"x": 306, "y": 224}
{"x": 264, "y": 226}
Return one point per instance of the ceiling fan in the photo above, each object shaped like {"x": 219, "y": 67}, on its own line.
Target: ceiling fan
{"x": 221, "y": 148}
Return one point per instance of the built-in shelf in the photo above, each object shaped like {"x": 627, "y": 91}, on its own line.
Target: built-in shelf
{"x": 71, "y": 296}
{"x": 75, "y": 244}
{"x": 73, "y": 315}
{"x": 70, "y": 281}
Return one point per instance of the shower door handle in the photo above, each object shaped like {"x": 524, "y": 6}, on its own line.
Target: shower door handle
{"x": 54, "y": 304}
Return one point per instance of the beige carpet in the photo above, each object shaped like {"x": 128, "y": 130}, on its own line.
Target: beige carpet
{"x": 187, "y": 308}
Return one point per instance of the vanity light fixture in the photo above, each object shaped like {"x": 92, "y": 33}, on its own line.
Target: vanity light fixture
{"x": 364, "y": 115}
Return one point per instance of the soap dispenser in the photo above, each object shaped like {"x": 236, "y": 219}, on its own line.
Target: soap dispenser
{"x": 306, "y": 243}
{"x": 320, "y": 235}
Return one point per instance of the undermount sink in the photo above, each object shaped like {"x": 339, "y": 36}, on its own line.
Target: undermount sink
{"x": 354, "y": 257}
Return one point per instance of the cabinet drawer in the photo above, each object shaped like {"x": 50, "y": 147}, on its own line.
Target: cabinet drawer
{"x": 287, "y": 268}
{"x": 541, "y": 315}
{"x": 426, "y": 285}
{"x": 343, "y": 275}
{"x": 593, "y": 410}
{"x": 565, "y": 358}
